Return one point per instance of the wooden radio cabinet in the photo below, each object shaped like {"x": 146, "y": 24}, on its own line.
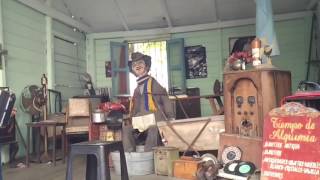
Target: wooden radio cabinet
{"x": 250, "y": 95}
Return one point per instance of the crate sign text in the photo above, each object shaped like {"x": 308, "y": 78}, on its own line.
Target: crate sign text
{"x": 291, "y": 143}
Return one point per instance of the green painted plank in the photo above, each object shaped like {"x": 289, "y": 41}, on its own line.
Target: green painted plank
{"x": 22, "y": 9}
{"x": 102, "y": 54}
{"x": 24, "y": 21}
{"x": 22, "y": 31}
{"x": 24, "y": 36}
{"x": 68, "y": 67}
{"x": 21, "y": 42}
{"x": 67, "y": 59}
{"x": 24, "y": 54}
{"x": 67, "y": 30}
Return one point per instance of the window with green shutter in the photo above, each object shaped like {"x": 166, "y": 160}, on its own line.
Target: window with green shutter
{"x": 176, "y": 66}
{"x": 119, "y": 68}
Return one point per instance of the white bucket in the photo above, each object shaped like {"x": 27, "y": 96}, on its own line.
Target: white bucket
{"x": 138, "y": 163}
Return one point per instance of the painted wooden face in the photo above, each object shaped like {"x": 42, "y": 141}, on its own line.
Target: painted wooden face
{"x": 139, "y": 68}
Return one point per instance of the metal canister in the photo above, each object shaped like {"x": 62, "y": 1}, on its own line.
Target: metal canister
{"x": 163, "y": 160}
{"x": 98, "y": 116}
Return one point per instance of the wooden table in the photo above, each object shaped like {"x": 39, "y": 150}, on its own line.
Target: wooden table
{"x": 46, "y": 124}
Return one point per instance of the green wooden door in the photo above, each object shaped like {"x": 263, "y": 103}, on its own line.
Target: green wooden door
{"x": 119, "y": 67}
{"x": 176, "y": 66}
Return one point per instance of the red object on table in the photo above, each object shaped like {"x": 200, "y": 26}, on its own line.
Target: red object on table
{"x": 302, "y": 95}
{"x": 94, "y": 129}
{"x": 110, "y": 106}
{"x": 308, "y": 94}
{"x": 307, "y": 98}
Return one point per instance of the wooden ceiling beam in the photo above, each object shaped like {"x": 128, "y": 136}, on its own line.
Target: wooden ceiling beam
{"x": 312, "y": 4}
{"x": 215, "y": 9}
{"x": 166, "y": 12}
{"x": 121, "y": 15}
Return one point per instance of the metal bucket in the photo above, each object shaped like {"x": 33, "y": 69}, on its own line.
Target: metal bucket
{"x": 98, "y": 117}
{"x": 138, "y": 163}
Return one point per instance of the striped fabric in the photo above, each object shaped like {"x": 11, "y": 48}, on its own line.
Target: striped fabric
{"x": 148, "y": 99}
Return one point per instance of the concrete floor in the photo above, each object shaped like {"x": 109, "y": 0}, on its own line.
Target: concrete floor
{"x": 46, "y": 171}
{"x": 49, "y": 172}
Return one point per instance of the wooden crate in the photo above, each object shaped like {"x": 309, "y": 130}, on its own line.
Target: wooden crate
{"x": 181, "y": 133}
{"x": 186, "y": 168}
{"x": 251, "y": 147}
{"x": 163, "y": 160}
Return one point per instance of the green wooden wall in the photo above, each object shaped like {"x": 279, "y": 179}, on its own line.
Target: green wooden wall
{"x": 25, "y": 40}
{"x": 212, "y": 41}
{"x": 102, "y": 54}
{"x": 24, "y": 31}
{"x": 70, "y": 60}
{"x": 293, "y": 37}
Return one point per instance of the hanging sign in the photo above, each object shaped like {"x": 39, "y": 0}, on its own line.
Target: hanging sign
{"x": 291, "y": 143}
